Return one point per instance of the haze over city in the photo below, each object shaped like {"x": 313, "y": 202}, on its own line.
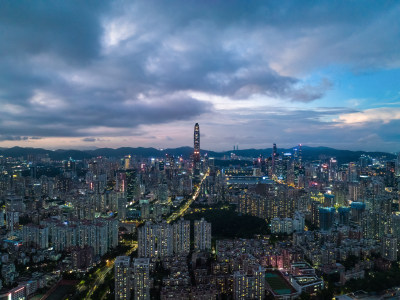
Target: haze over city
{"x": 117, "y": 73}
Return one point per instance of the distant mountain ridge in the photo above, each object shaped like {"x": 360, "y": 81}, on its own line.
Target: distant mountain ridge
{"x": 308, "y": 153}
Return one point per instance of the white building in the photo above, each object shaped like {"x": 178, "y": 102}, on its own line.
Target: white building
{"x": 288, "y": 225}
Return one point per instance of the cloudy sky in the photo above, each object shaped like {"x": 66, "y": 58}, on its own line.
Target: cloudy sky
{"x": 87, "y": 74}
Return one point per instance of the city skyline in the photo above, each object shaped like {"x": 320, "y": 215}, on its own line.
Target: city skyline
{"x": 94, "y": 75}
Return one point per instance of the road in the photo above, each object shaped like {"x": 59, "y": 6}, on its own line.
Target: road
{"x": 104, "y": 271}
{"x": 101, "y": 274}
{"x": 185, "y": 207}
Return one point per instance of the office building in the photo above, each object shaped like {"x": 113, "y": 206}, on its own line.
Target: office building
{"x": 122, "y": 208}
{"x": 326, "y": 217}
{"x": 196, "y": 150}
{"x": 127, "y": 162}
{"x": 163, "y": 193}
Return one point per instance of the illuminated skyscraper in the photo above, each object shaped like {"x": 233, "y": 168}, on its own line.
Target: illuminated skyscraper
{"x": 196, "y": 149}
{"x": 155, "y": 240}
{"x": 127, "y": 162}
{"x": 131, "y": 184}
{"x": 352, "y": 172}
{"x": 122, "y": 278}
{"x": 141, "y": 281}
{"x": 147, "y": 240}
{"x": 181, "y": 232}
{"x": 274, "y": 157}
{"x": 249, "y": 285}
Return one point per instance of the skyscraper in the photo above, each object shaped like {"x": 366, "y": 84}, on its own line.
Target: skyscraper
{"x": 155, "y": 240}
{"x": 249, "y": 285}
{"x": 122, "y": 277}
{"x": 121, "y": 208}
{"x": 127, "y": 162}
{"x": 202, "y": 235}
{"x": 147, "y": 240}
{"x": 274, "y": 157}
{"x": 196, "y": 149}
{"x": 131, "y": 184}
{"x": 181, "y": 231}
{"x": 141, "y": 281}
{"x": 326, "y": 217}
{"x": 300, "y": 155}
{"x": 165, "y": 244}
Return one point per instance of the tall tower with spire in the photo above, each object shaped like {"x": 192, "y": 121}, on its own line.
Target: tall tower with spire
{"x": 196, "y": 149}
{"x": 274, "y": 157}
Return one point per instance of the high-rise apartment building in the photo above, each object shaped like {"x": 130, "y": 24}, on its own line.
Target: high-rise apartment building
{"x": 389, "y": 248}
{"x": 249, "y": 285}
{"x": 163, "y": 193}
{"x": 165, "y": 246}
{"x": 147, "y": 236}
{"x": 36, "y": 236}
{"x": 181, "y": 232}
{"x": 202, "y": 235}
{"x": 155, "y": 240}
{"x": 122, "y": 276}
{"x": 141, "y": 279}
{"x": 122, "y": 208}
{"x": 326, "y": 217}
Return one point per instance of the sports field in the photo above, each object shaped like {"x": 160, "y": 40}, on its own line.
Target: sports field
{"x": 278, "y": 285}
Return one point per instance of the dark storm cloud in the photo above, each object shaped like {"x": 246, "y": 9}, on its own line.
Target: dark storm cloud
{"x": 73, "y": 68}
{"x": 69, "y": 30}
